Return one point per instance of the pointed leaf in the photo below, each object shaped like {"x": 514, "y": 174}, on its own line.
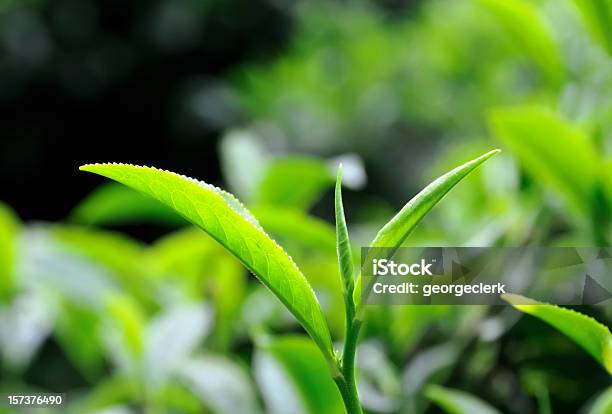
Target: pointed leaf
{"x": 400, "y": 226}
{"x": 230, "y": 224}
{"x": 343, "y": 244}
{"x": 594, "y": 337}
{"x": 393, "y": 234}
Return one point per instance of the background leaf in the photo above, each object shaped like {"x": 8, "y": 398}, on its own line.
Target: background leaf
{"x": 458, "y": 402}
{"x": 522, "y": 21}
{"x": 603, "y": 403}
{"x": 292, "y": 225}
{"x": 294, "y": 181}
{"x": 597, "y": 17}
{"x": 243, "y": 160}
{"x": 171, "y": 339}
{"x": 294, "y": 378}
{"x": 555, "y": 153}
{"x": 222, "y": 384}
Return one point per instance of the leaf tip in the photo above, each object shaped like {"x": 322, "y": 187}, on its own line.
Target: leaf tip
{"x": 517, "y": 300}
{"x": 491, "y": 153}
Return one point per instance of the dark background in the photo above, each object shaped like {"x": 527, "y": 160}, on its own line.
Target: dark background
{"x": 86, "y": 81}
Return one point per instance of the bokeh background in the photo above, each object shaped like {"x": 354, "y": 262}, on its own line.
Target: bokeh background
{"x": 119, "y": 304}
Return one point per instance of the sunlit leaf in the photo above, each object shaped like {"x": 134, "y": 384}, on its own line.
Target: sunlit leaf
{"x": 597, "y": 17}
{"x": 293, "y": 377}
{"x": 591, "y": 335}
{"x": 393, "y": 234}
{"x": 522, "y": 21}
{"x": 457, "y": 402}
{"x": 221, "y": 384}
{"x": 112, "y": 204}
{"x": 208, "y": 208}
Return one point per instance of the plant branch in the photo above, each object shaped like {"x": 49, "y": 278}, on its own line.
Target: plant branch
{"x": 348, "y": 388}
{"x": 348, "y": 361}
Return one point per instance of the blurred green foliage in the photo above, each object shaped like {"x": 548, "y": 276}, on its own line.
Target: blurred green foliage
{"x": 177, "y": 326}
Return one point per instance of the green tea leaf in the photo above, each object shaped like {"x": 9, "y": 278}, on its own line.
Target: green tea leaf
{"x": 343, "y": 244}
{"x": 8, "y": 240}
{"x": 293, "y": 378}
{"x": 393, "y": 234}
{"x": 294, "y": 181}
{"x": 594, "y": 337}
{"x": 597, "y": 16}
{"x": 457, "y": 402}
{"x": 229, "y": 224}
{"x": 112, "y": 204}
{"x": 521, "y": 20}
{"x": 400, "y": 226}
{"x": 555, "y": 153}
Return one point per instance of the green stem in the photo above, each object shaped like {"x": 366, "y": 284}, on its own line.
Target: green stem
{"x": 348, "y": 369}
{"x": 346, "y": 382}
